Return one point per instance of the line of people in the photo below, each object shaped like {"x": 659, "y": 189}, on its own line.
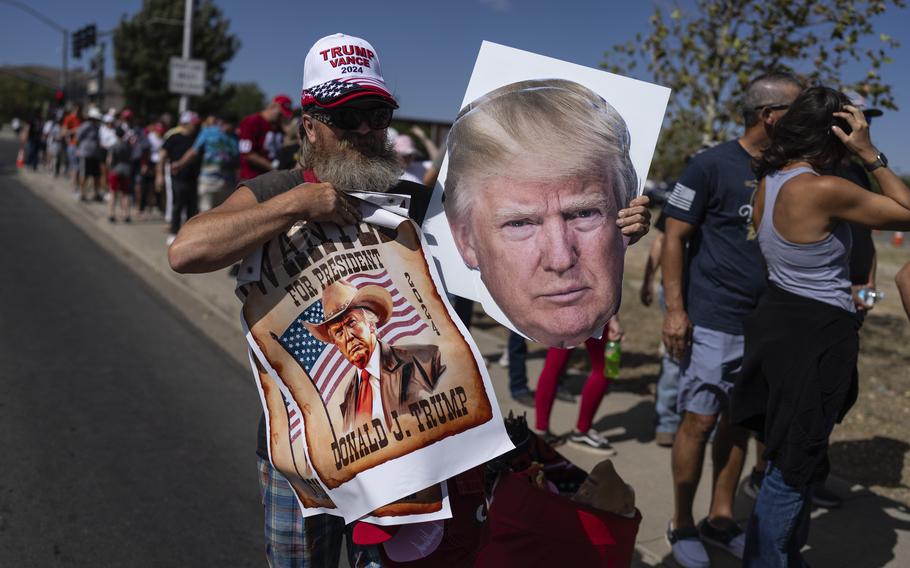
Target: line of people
{"x": 178, "y": 170}
{"x": 140, "y": 167}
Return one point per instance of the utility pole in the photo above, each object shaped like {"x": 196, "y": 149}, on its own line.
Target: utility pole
{"x": 66, "y": 73}
{"x": 187, "y": 42}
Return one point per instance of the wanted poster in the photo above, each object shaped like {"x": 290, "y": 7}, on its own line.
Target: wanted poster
{"x": 372, "y": 387}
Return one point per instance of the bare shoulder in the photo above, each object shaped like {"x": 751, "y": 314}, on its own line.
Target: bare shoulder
{"x": 830, "y": 190}
{"x": 829, "y": 183}
{"x": 241, "y": 198}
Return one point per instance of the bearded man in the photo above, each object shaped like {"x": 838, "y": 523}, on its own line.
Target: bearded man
{"x": 347, "y": 109}
{"x": 344, "y": 147}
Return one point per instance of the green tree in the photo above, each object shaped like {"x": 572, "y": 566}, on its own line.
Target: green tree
{"x": 244, "y": 99}
{"x": 145, "y": 42}
{"x": 708, "y": 54}
{"x": 20, "y": 97}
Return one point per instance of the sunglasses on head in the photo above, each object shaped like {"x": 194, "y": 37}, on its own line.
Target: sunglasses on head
{"x": 773, "y": 107}
{"x": 350, "y": 118}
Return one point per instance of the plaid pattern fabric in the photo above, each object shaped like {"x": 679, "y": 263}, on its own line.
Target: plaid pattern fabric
{"x": 294, "y": 542}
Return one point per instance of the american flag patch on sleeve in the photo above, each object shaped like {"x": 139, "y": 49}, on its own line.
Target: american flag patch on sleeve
{"x": 682, "y": 197}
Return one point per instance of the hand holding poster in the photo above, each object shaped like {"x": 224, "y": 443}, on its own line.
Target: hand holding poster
{"x": 540, "y": 159}
{"x": 373, "y": 390}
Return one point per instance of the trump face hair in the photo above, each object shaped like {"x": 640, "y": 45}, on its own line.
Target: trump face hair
{"x": 547, "y": 129}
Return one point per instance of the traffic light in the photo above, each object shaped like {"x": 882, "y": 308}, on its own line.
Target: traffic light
{"x": 77, "y": 43}
{"x": 83, "y": 38}
{"x": 91, "y": 35}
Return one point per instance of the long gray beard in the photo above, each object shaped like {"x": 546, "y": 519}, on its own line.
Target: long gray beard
{"x": 348, "y": 169}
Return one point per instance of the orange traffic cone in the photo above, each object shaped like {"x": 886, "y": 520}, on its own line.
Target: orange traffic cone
{"x": 898, "y": 238}
{"x": 20, "y": 159}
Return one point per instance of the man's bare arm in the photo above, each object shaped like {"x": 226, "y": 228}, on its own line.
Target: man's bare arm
{"x": 189, "y": 156}
{"x": 652, "y": 264}
{"x": 677, "y": 330}
{"x": 159, "y": 169}
{"x": 228, "y": 233}
{"x": 259, "y": 162}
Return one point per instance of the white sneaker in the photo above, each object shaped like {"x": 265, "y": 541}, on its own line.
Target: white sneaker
{"x": 504, "y": 359}
{"x": 592, "y": 439}
{"x": 170, "y": 240}
{"x": 687, "y": 548}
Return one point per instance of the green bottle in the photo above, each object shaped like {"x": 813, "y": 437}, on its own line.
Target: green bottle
{"x": 614, "y": 353}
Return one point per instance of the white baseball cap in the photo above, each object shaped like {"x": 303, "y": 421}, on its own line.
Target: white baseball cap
{"x": 188, "y": 117}
{"x": 340, "y": 68}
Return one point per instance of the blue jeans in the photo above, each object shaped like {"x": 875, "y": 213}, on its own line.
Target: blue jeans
{"x": 518, "y": 372}
{"x": 779, "y": 525}
{"x": 667, "y": 392}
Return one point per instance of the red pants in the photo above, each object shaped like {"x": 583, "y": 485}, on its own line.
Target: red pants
{"x": 593, "y": 392}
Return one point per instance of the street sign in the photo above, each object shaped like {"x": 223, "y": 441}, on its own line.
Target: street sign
{"x": 187, "y": 76}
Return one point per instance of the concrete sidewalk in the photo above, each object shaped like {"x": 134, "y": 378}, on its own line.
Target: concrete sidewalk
{"x": 869, "y": 531}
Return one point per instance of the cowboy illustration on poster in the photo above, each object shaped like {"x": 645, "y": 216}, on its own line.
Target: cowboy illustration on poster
{"x": 385, "y": 377}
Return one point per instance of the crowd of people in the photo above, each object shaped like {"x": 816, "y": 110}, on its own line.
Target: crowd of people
{"x": 156, "y": 167}
{"x": 763, "y": 249}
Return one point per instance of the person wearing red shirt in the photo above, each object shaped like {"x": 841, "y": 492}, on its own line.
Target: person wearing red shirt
{"x": 71, "y": 123}
{"x": 254, "y": 159}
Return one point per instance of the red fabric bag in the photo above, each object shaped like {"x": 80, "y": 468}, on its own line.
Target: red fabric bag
{"x": 529, "y": 526}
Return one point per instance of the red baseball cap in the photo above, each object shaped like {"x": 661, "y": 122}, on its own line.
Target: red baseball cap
{"x": 366, "y": 534}
{"x": 284, "y": 102}
{"x": 402, "y": 543}
{"x": 340, "y": 68}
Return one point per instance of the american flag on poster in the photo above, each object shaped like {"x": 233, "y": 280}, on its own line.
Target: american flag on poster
{"x": 325, "y": 363}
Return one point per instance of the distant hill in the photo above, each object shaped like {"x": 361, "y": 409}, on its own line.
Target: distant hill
{"x": 49, "y": 77}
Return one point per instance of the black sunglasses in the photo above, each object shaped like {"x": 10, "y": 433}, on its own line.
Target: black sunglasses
{"x": 773, "y": 107}
{"x": 349, "y": 118}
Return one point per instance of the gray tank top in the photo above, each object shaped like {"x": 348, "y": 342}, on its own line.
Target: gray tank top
{"x": 818, "y": 270}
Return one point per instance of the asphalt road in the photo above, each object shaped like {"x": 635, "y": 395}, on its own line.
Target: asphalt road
{"x": 126, "y": 437}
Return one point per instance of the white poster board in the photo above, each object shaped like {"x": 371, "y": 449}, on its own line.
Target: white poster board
{"x": 516, "y": 190}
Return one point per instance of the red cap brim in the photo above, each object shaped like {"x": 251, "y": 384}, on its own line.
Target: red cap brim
{"x": 366, "y": 534}
{"x": 307, "y": 98}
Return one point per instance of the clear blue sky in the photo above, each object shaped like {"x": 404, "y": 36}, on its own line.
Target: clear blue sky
{"x": 427, "y": 48}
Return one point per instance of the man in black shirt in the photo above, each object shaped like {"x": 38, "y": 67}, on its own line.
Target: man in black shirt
{"x": 184, "y": 182}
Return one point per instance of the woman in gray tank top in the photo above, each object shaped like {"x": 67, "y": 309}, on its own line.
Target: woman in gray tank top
{"x": 801, "y": 343}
